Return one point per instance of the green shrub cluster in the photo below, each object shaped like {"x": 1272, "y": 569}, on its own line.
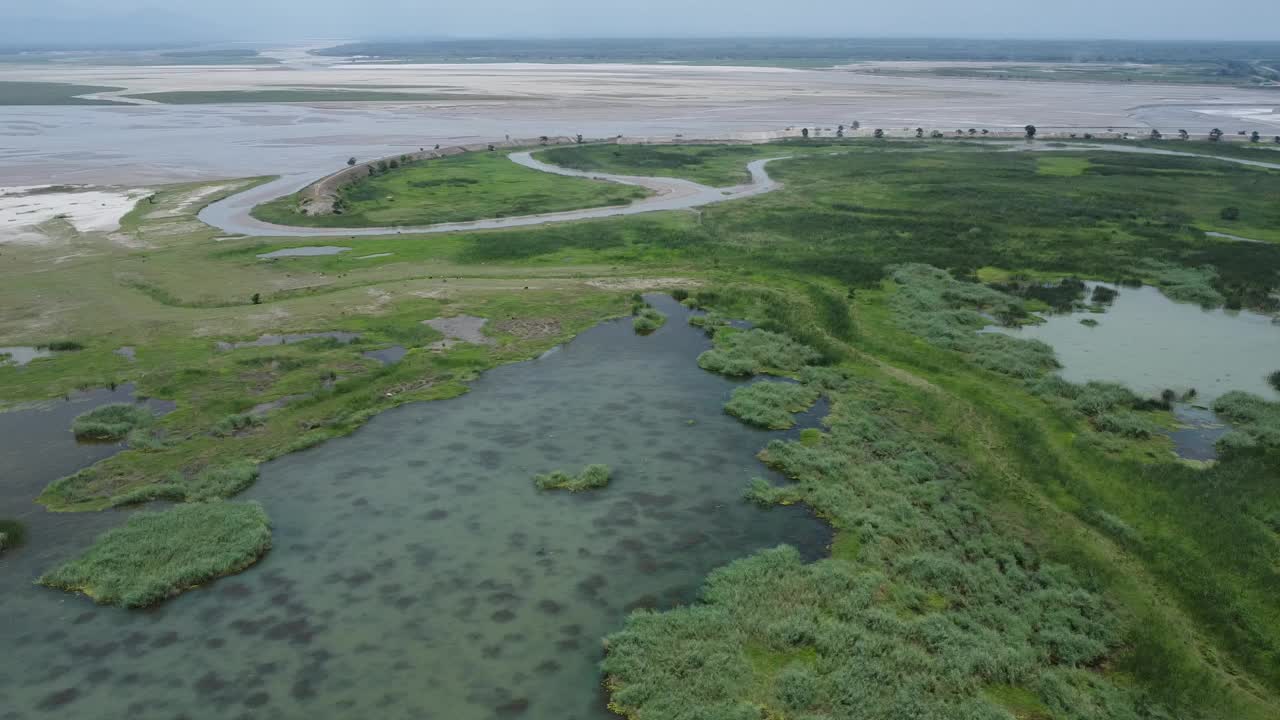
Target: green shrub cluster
{"x": 591, "y": 478}
{"x": 1256, "y": 421}
{"x": 935, "y": 614}
{"x": 756, "y": 351}
{"x": 112, "y": 422}
{"x": 948, "y": 313}
{"x": 647, "y": 319}
{"x": 1274, "y": 380}
{"x": 1185, "y": 284}
{"x": 235, "y": 424}
{"x": 771, "y": 404}
{"x": 156, "y": 555}
{"x": 12, "y": 534}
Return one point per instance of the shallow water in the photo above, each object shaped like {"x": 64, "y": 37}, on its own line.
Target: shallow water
{"x": 310, "y": 251}
{"x": 1149, "y": 342}
{"x": 416, "y": 571}
{"x": 340, "y": 336}
{"x": 22, "y": 354}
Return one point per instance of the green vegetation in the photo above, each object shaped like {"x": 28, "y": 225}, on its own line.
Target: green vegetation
{"x": 715, "y": 165}
{"x": 1257, "y": 421}
{"x": 771, "y": 405}
{"x": 445, "y": 190}
{"x": 50, "y": 93}
{"x": 755, "y": 351}
{"x": 112, "y": 422}
{"x": 311, "y": 95}
{"x": 12, "y": 534}
{"x": 592, "y": 477}
{"x": 1274, "y": 380}
{"x": 156, "y": 555}
{"x": 1006, "y": 543}
{"x": 647, "y": 318}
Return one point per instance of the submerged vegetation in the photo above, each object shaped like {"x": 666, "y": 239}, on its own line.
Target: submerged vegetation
{"x": 592, "y": 477}
{"x": 771, "y": 405}
{"x": 112, "y": 422}
{"x": 156, "y": 555}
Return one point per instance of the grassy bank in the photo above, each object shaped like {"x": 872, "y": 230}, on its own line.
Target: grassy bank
{"x": 471, "y": 186}
{"x": 50, "y": 93}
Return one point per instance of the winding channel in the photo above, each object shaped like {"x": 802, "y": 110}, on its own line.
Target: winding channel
{"x": 231, "y": 214}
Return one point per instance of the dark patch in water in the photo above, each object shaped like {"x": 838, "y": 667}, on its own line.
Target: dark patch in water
{"x": 56, "y": 700}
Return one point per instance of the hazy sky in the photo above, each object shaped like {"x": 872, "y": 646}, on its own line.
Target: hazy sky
{"x": 134, "y": 20}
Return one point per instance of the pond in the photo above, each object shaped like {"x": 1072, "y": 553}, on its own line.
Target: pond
{"x": 22, "y": 354}
{"x": 416, "y": 571}
{"x": 1148, "y": 343}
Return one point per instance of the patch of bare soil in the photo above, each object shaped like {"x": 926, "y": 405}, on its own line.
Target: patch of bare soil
{"x": 641, "y": 283}
{"x": 529, "y": 328}
{"x": 459, "y": 328}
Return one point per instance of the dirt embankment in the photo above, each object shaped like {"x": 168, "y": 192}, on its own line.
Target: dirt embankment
{"x": 320, "y": 197}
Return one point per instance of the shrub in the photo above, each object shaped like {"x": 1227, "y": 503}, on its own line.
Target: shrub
{"x": 647, "y": 320}
{"x": 157, "y": 555}
{"x": 1230, "y": 213}
{"x": 63, "y": 346}
{"x": 770, "y": 404}
{"x": 12, "y": 534}
{"x": 1274, "y": 380}
{"x": 680, "y": 294}
{"x": 710, "y": 322}
{"x": 591, "y": 477}
{"x": 1128, "y": 424}
{"x": 112, "y": 422}
{"x": 755, "y": 351}
{"x": 235, "y": 424}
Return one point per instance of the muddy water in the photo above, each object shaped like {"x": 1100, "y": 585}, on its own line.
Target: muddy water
{"x": 416, "y": 571}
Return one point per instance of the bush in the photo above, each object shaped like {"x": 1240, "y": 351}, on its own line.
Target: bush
{"x": 647, "y": 320}
{"x": 1230, "y": 213}
{"x": 63, "y": 346}
{"x": 769, "y": 404}
{"x": 12, "y": 534}
{"x": 235, "y": 424}
{"x": 157, "y": 555}
{"x": 112, "y": 422}
{"x": 591, "y": 477}
{"x": 710, "y": 322}
{"x": 1274, "y": 380}
{"x": 755, "y": 351}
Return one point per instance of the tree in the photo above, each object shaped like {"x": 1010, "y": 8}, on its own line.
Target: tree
{"x": 972, "y": 132}
{"x": 579, "y": 138}
{"x": 856, "y": 125}
{"x": 878, "y": 133}
{"x": 1031, "y": 132}
{"x": 1255, "y": 137}
{"x": 919, "y": 132}
{"x": 804, "y": 133}
{"x": 1215, "y": 135}
{"x": 1183, "y": 134}
{"x": 257, "y": 299}
{"x": 543, "y": 139}
{"x": 1278, "y": 139}
{"x": 1155, "y": 134}
{"x": 935, "y": 134}
{"x": 839, "y": 131}
{"x": 351, "y": 161}
{"x": 986, "y": 131}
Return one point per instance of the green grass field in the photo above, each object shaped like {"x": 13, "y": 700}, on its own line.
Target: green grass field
{"x": 49, "y": 93}
{"x": 471, "y": 186}
{"x": 715, "y": 165}
{"x": 1005, "y": 545}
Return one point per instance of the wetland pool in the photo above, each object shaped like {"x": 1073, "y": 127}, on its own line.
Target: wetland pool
{"x": 1148, "y": 343}
{"x": 417, "y": 573}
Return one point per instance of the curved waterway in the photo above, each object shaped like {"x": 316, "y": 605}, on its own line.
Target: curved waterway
{"x": 231, "y": 214}
{"x": 416, "y": 571}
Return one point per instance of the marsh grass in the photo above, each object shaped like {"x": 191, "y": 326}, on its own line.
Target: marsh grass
{"x": 755, "y": 351}
{"x": 934, "y": 613}
{"x": 1256, "y": 421}
{"x": 592, "y": 477}
{"x": 112, "y": 422}
{"x": 156, "y": 555}
{"x": 771, "y": 404}
{"x": 647, "y": 319}
{"x": 235, "y": 424}
{"x": 12, "y": 534}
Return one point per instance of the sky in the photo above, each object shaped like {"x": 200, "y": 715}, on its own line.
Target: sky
{"x": 136, "y": 21}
